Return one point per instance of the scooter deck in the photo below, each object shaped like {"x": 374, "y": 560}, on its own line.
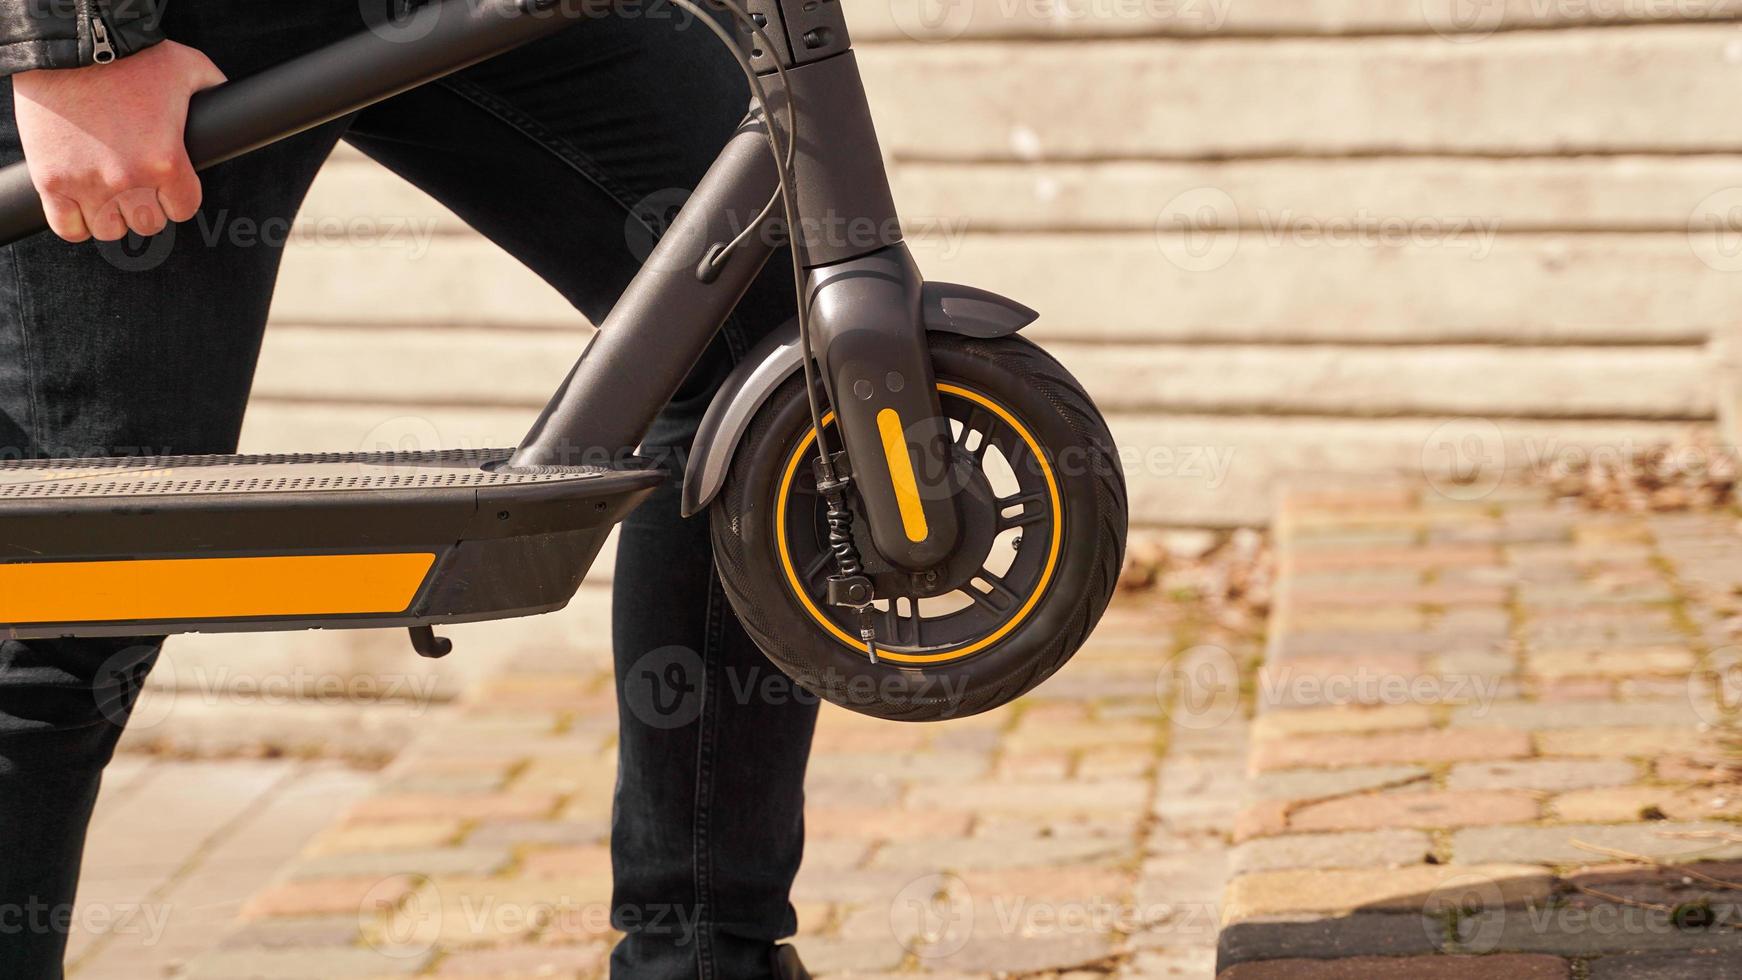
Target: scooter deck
{"x": 144, "y": 546}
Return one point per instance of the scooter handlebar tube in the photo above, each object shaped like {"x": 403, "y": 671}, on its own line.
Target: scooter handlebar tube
{"x": 389, "y": 58}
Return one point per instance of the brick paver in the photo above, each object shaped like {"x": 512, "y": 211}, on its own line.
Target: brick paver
{"x": 1513, "y": 786}
{"x": 177, "y": 846}
{"x": 1492, "y": 738}
{"x": 1085, "y": 828}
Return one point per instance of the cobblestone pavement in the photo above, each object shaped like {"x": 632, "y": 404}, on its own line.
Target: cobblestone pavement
{"x": 1493, "y": 740}
{"x": 176, "y": 847}
{"x": 1059, "y": 835}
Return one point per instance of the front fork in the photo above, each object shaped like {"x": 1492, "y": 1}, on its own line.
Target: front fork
{"x": 863, "y": 293}
{"x": 868, "y": 332}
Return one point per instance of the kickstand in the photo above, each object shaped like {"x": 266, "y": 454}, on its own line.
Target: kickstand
{"x": 427, "y": 644}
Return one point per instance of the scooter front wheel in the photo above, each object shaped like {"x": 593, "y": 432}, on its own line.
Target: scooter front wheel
{"x": 1043, "y": 510}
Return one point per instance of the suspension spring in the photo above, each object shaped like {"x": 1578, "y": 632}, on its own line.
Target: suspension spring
{"x": 841, "y": 537}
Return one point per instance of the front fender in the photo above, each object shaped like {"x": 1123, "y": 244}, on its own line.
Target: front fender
{"x": 948, "y": 308}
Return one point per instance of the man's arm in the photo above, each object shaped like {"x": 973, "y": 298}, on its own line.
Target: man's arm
{"x": 101, "y": 100}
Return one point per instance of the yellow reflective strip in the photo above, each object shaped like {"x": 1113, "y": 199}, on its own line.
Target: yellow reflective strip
{"x": 901, "y": 475}
{"x": 210, "y": 588}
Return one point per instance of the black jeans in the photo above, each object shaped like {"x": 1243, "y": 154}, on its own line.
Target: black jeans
{"x": 548, "y": 151}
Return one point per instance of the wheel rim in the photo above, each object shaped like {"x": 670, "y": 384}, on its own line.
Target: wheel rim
{"x": 983, "y": 597}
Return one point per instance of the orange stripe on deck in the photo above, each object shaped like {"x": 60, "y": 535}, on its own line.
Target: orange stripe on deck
{"x": 210, "y": 588}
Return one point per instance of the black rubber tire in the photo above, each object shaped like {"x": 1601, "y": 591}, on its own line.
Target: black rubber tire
{"x": 1060, "y": 415}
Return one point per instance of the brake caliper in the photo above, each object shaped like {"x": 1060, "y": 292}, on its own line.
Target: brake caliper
{"x": 849, "y": 587}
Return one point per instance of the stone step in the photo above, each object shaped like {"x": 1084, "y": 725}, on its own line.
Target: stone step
{"x": 1187, "y": 470}
{"x": 355, "y": 197}
{"x": 500, "y": 367}
{"x": 1551, "y": 92}
{"x": 1229, "y": 286}
{"x": 520, "y": 368}
{"x": 1334, "y": 380}
{"x": 1434, "y": 194}
{"x": 407, "y": 279}
{"x": 928, "y": 20}
{"x": 1465, "y": 285}
{"x": 1396, "y": 810}
{"x": 1221, "y": 471}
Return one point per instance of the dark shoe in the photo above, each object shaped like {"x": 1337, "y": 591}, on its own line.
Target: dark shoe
{"x": 784, "y": 962}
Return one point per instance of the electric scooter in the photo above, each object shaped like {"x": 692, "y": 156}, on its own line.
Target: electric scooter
{"x": 916, "y": 513}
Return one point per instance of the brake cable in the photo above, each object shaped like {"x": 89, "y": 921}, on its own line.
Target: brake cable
{"x": 784, "y": 193}
{"x": 849, "y": 587}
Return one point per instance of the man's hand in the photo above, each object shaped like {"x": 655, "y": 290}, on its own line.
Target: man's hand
{"x": 104, "y": 143}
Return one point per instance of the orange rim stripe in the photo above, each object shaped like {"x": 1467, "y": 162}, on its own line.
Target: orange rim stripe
{"x": 943, "y": 656}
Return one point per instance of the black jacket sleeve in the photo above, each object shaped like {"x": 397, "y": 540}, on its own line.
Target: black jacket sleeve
{"x": 74, "y": 33}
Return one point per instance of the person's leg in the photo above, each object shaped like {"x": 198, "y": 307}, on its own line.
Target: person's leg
{"x": 62, "y": 705}
{"x": 555, "y": 152}
{"x": 111, "y": 351}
